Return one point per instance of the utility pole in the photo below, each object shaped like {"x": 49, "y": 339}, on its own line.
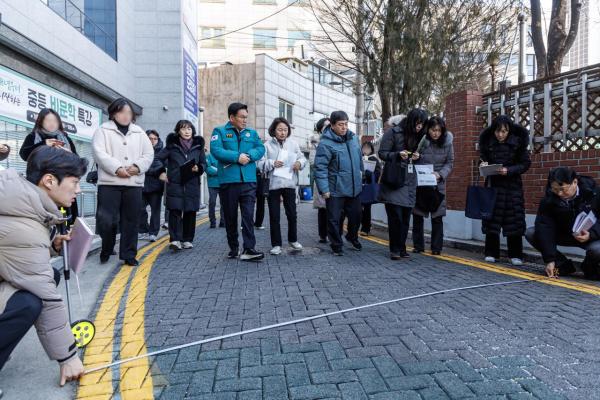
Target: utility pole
{"x": 360, "y": 79}
{"x": 522, "y": 53}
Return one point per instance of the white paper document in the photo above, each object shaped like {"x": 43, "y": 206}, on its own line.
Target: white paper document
{"x": 425, "y": 176}
{"x": 584, "y": 222}
{"x": 286, "y": 171}
{"x": 369, "y": 165}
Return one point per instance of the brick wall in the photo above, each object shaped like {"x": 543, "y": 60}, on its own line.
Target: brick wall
{"x": 463, "y": 122}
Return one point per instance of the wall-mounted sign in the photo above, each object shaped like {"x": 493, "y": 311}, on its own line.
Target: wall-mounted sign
{"x": 21, "y": 99}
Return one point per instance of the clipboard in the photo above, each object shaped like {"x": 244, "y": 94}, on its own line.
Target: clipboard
{"x": 185, "y": 171}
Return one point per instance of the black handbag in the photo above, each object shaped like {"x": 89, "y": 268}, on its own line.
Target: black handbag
{"x": 92, "y": 176}
{"x": 481, "y": 201}
{"x": 394, "y": 174}
{"x": 429, "y": 198}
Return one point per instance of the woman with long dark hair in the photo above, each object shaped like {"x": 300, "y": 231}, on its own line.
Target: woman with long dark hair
{"x": 49, "y": 131}
{"x": 152, "y": 192}
{"x": 369, "y": 177}
{"x": 505, "y": 143}
{"x": 399, "y": 147}
{"x": 435, "y": 149}
{"x": 184, "y": 151}
{"x": 282, "y": 152}
{"x": 123, "y": 153}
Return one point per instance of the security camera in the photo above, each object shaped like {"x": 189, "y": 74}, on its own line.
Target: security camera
{"x": 165, "y": 108}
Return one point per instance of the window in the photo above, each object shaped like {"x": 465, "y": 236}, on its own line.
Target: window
{"x": 286, "y": 110}
{"x": 531, "y": 67}
{"x": 294, "y": 36}
{"x": 210, "y": 41}
{"x": 95, "y": 19}
{"x": 265, "y": 38}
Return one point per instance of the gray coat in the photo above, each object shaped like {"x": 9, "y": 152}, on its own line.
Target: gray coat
{"x": 392, "y": 143}
{"x": 442, "y": 159}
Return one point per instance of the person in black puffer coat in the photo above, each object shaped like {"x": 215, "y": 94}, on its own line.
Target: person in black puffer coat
{"x": 183, "y": 198}
{"x": 505, "y": 143}
{"x": 153, "y": 191}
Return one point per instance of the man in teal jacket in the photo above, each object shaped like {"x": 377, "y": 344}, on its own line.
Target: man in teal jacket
{"x": 338, "y": 173}
{"x": 212, "y": 173}
{"x": 237, "y": 148}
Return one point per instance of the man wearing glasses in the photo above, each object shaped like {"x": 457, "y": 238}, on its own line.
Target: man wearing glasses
{"x": 237, "y": 148}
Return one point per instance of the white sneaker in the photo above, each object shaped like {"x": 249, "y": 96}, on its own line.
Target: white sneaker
{"x": 175, "y": 246}
{"x": 142, "y": 236}
{"x": 260, "y": 227}
{"x": 490, "y": 259}
{"x": 296, "y": 246}
{"x": 276, "y": 250}
{"x": 516, "y": 262}
{"x": 187, "y": 245}
{"x": 152, "y": 238}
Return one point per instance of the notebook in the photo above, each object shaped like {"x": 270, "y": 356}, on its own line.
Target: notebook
{"x": 79, "y": 245}
{"x": 584, "y": 222}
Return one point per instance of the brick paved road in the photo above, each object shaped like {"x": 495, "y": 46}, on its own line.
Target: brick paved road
{"x": 521, "y": 341}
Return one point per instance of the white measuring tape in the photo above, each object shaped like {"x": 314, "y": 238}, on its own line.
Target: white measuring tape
{"x": 297, "y": 321}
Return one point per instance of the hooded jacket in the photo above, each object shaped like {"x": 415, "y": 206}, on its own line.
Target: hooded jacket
{"x": 555, "y": 217}
{"x": 151, "y": 183}
{"x": 212, "y": 171}
{"x": 26, "y": 217}
{"x": 182, "y": 196}
{"x": 339, "y": 165}
{"x": 113, "y": 150}
{"x": 272, "y": 150}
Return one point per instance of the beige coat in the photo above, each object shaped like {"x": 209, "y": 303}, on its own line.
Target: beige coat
{"x": 26, "y": 215}
{"x": 113, "y": 150}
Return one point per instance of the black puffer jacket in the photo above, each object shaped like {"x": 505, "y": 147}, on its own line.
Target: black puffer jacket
{"x": 509, "y": 210}
{"x": 152, "y": 183}
{"x": 555, "y": 217}
{"x": 183, "y": 197}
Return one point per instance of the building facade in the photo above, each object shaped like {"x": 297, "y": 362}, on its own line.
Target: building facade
{"x": 77, "y": 56}
{"x": 299, "y": 91}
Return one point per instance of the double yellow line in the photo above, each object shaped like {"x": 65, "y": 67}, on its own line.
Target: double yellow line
{"x": 135, "y": 379}
{"x": 564, "y": 283}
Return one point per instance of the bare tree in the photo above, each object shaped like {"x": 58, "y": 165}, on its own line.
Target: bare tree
{"x": 560, "y": 37}
{"x": 418, "y": 51}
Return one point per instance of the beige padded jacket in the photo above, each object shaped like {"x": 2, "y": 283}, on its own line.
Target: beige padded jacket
{"x": 26, "y": 216}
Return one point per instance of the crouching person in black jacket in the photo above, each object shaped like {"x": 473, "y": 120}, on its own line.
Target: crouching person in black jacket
{"x": 567, "y": 195}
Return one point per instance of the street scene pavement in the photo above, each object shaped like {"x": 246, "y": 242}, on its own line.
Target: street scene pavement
{"x": 524, "y": 340}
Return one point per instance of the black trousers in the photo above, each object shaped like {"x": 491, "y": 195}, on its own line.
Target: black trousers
{"x": 153, "y": 200}
{"x": 365, "y": 219}
{"x": 351, "y": 208}
{"x": 119, "y": 207}
{"x": 22, "y": 310}
{"x": 322, "y": 222}
{"x": 213, "y": 193}
{"x": 513, "y": 242}
{"x": 242, "y": 195}
{"x": 398, "y": 224}
{"x": 182, "y": 225}
{"x": 289, "y": 204}
{"x": 437, "y": 233}
{"x": 260, "y": 209}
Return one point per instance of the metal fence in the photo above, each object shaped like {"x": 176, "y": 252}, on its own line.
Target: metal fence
{"x": 561, "y": 113}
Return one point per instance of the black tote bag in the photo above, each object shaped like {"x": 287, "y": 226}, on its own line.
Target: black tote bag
{"x": 480, "y": 202}
{"x": 394, "y": 174}
{"x": 429, "y": 198}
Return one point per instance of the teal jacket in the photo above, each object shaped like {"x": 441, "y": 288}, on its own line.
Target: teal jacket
{"x": 339, "y": 165}
{"x": 226, "y": 145}
{"x": 211, "y": 171}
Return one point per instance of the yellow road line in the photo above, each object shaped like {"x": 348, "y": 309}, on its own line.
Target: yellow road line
{"x": 98, "y": 385}
{"x": 569, "y": 284}
{"x": 135, "y": 378}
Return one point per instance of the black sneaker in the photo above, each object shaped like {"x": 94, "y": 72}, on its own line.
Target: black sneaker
{"x": 435, "y": 252}
{"x": 404, "y": 254}
{"x": 417, "y": 251}
{"x": 104, "y": 258}
{"x": 323, "y": 240}
{"x": 356, "y": 245}
{"x": 395, "y": 256}
{"x": 338, "y": 252}
{"x": 234, "y": 253}
{"x": 221, "y": 224}
{"x": 132, "y": 262}
{"x": 251, "y": 255}
{"x": 213, "y": 225}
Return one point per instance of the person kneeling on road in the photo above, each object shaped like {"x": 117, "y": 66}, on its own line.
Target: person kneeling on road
{"x": 567, "y": 195}
{"x": 28, "y": 286}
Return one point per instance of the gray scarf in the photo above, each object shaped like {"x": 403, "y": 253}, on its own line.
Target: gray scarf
{"x": 43, "y": 135}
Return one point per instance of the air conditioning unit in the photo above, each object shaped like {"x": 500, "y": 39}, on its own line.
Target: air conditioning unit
{"x": 323, "y": 62}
